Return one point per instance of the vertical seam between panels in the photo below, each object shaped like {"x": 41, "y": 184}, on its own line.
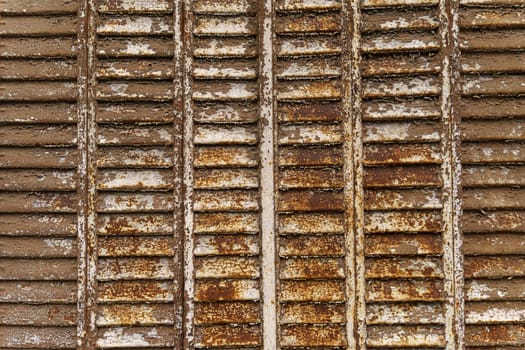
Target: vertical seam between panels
{"x": 87, "y": 239}
{"x": 356, "y": 149}
{"x": 349, "y": 80}
{"x": 178, "y": 173}
{"x": 451, "y": 169}
{"x": 267, "y": 173}
{"x": 189, "y": 278}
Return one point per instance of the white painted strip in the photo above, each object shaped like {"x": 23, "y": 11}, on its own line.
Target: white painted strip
{"x": 266, "y": 149}
{"x": 178, "y": 174}
{"x": 353, "y": 148}
{"x": 349, "y": 75}
{"x": 185, "y": 47}
{"x": 451, "y": 172}
{"x": 87, "y": 234}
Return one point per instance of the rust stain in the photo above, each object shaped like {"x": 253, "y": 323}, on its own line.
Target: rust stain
{"x": 304, "y": 23}
{"x": 221, "y": 290}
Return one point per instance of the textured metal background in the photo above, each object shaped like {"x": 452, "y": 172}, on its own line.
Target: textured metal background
{"x": 242, "y": 174}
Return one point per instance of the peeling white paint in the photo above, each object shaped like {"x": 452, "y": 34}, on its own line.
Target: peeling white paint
{"x": 136, "y": 25}
{"x": 381, "y": 44}
{"x": 224, "y": 48}
{"x": 402, "y": 22}
{"x": 313, "y": 46}
{"x": 233, "y": 91}
{"x": 117, "y": 337}
{"x": 135, "y": 48}
{"x": 225, "y": 26}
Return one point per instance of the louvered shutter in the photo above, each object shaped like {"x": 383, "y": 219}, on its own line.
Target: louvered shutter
{"x": 38, "y": 175}
{"x": 262, "y": 174}
{"x": 492, "y": 156}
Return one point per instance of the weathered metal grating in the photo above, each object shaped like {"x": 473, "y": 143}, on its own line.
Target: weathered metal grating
{"x": 242, "y": 174}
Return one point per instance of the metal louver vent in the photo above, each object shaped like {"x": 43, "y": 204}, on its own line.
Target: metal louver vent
{"x": 262, "y": 174}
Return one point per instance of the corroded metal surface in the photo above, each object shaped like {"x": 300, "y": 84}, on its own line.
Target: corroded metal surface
{"x": 262, "y": 174}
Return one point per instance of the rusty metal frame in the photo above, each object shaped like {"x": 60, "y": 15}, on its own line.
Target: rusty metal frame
{"x": 451, "y": 170}
{"x": 87, "y": 237}
{"x": 267, "y": 176}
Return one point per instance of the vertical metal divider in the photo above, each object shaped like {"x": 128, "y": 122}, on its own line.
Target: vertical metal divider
{"x": 86, "y": 225}
{"x": 348, "y": 168}
{"x": 451, "y": 170}
{"x": 267, "y": 178}
{"x": 179, "y": 109}
{"x": 353, "y": 172}
{"x": 185, "y": 47}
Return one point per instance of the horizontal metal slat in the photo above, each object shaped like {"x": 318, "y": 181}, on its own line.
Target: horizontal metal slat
{"x": 37, "y": 269}
{"x": 227, "y": 335}
{"x": 135, "y": 291}
{"x": 134, "y": 47}
{"x": 233, "y": 200}
{"x": 38, "y": 25}
{"x": 311, "y": 268}
{"x": 407, "y": 20}
{"x": 494, "y": 312}
{"x": 312, "y": 246}
{"x": 494, "y": 267}
{"x": 38, "y": 180}
{"x": 482, "y": 18}
{"x": 405, "y": 313}
{"x": 405, "y": 290}
{"x": 226, "y": 245}
{"x": 230, "y": 7}
{"x": 308, "y": 24}
{"x": 38, "y": 315}
{"x": 307, "y": 5}
{"x": 27, "y": 7}
{"x": 134, "y": 268}
{"x": 510, "y": 335}
{"x": 134, "y": 25}
{"x": 37, "y": 48}
{"x": 494, "y": 289}
{"x": 402, "y": 221}
{"x": 39, "y": 225}
{"x": 225, "y": 223}
{"x": 406, "y": 336}
{"x": 403, "y": 244}
{"x": 311, "y": 313}
{"x": 32, "y": 247}
{"x": 118, "y": 337}
{"x": 404, "y": 268}
{"x": 312, "y": 291}
{"x": 311, "y": 223}
{"x": 122, "y": 246}
{"x": 132, "y": 6}
{"x": 48, "y": 337}
{"x": 226, "y": 290}
{"x": 227, "y": 312}
{"x": 494, "y": 244}
{"x": 224, "y": 26}
{"x": 39, "y": 292}
{"x": 134, "y": 315}
{"x": 314, "y": 335}
{"x": 402, "y": 199}
{"x": 227, "y": 267}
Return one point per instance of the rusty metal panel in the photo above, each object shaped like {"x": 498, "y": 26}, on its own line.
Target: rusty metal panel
{"x": 262, "y": 174}
{"x": 401, "y": 65}
{"x": 309, "y": 113}
{"x": 226, "y": 209}
{"x": 135, "y": 166}
{"x": 492, "y": 126}
{"x": 38, "y": 175}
